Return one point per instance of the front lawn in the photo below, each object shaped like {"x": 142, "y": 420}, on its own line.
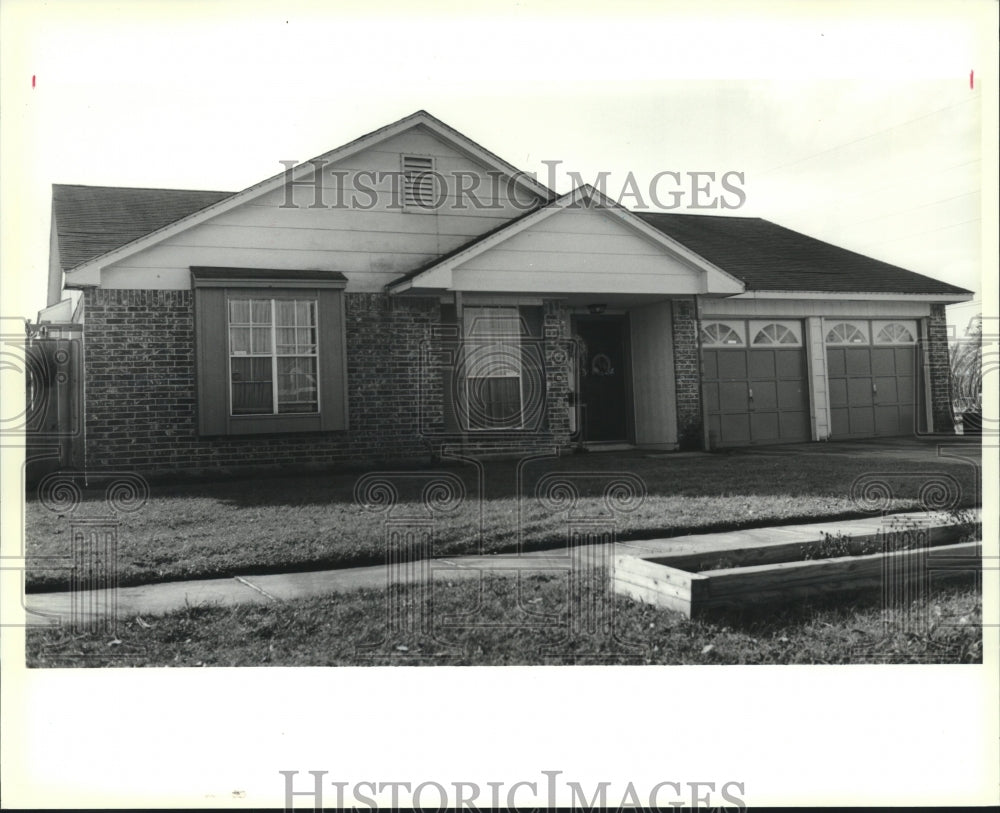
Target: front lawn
{"x": 512, "y": 621}
{"x": 313, "y": 521}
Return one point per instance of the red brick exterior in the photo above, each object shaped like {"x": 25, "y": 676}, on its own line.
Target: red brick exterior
{"x": 140, "y": 396}
{"x": 939, "y": 363}
{"x": 141, "y": 399}
{"x": 687, "y": 375}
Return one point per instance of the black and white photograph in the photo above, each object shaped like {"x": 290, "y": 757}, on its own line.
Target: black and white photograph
{"x": 633, "y": 366}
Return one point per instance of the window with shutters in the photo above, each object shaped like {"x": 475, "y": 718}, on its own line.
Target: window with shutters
{"x": 418, "y": 182}
{"x": 493, "y": 368}
{"x": 270, "y": 351}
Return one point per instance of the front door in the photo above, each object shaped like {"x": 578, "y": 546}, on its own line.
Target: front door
{"x": 603, "y": 396}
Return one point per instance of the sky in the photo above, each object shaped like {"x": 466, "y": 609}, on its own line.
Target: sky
{"x": 859, "y": 125}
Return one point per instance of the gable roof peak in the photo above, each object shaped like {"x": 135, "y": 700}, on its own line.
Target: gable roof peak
{"x": 89, "y": 263}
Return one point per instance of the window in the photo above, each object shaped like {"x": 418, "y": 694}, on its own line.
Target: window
{"x": 722, "y": 333}
{"x": 848, "y": 333}
{"x": 270, "y": 351}
{"x": 776, "y": 333}
{"x": 273, "y": 340}
{"x": 418, "y": 182}
{"x": 894, "y": 332}
{"x": 493, "y": 367}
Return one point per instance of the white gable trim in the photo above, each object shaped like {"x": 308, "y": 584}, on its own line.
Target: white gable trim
{"x": 89, "y": 272}
{"x": 441, "y": 275}
{"x": 859, "y": 295}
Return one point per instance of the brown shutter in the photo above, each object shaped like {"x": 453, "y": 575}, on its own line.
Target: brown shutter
{"x": 333, "y": 361}
{"x": 211, "y": 354}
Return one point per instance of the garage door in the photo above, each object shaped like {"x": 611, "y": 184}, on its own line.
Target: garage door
{"x": 871, "y": 367}
{"x": 754, "y": 382}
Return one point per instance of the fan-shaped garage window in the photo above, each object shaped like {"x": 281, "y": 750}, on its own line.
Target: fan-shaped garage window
{"x": 722, "y": 333}
{"x": 847, "y": 333}
{"x": 893, "y": 333}
{"x": 775, "y": 333}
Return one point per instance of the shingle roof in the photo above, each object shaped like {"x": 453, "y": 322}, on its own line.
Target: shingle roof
{"x": 93, "y": 220}
{"x": 769, "y": 257}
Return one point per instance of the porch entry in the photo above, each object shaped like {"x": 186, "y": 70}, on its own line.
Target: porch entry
{"x": 601, "y": 360}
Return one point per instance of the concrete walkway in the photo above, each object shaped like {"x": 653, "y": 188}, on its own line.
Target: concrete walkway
{"x": 154, "y": 599}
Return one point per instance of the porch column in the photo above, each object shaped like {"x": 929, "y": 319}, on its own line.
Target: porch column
{"x": 687, "y": 375}
{"x": 558, "y": 352}
{"x": 819, "y": 393}
{"x": 939, "y": 363}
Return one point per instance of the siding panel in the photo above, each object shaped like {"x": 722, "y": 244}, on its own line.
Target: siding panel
{"x": 653, "y": 376}
{"x": 371, "y": 246}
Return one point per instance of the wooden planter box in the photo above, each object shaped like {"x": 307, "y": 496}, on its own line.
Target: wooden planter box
{"x": 694, "y": 583}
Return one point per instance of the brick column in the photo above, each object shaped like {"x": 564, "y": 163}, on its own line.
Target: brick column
{"x": 558, "y": 357}
{"x": 687, "y": 375}
{"x": 939, "y": 363}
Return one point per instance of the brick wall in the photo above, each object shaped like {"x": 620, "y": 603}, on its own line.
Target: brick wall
{"x": 557, "y": 345}
{"x": 141, "y": 393}
{"x": 141, "y": 397}
{"x": 940, "y": 370}
{"x": 687, "y": 375}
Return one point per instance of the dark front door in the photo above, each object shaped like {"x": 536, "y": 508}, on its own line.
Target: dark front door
{"x": 602, "y": 378}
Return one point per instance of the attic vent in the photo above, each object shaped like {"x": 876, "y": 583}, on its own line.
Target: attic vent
{"x": 418, "y": 181}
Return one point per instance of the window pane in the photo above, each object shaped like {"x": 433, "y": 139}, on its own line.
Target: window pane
{"x": 252, "y": 394}
{"x": 297, "y": 385}
{"x": 306, "y": 340}
{"x": 495, "y": 403}
{"x": 261, "y": 340}
{"x": 493, "y": 322}
{"x": 285, "y": 337}
{"x": 284, "y": 315}
{"x": 239, "y": 310}
{"x": 261, "y": 311}
{"x": 239, "y": 341}
{"x": 304, "y": 313}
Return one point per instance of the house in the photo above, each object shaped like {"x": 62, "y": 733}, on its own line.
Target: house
{"x": 410, "y": 293}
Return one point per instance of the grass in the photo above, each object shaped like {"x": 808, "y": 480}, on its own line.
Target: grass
{"x": 511, "y": 621}
{"x": 212, "y": 529}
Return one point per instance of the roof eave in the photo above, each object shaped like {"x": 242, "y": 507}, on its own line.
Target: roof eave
{"x": 936, "y": 297}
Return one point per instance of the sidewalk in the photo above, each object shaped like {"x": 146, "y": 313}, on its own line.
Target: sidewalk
{"x": 154, "y": 599}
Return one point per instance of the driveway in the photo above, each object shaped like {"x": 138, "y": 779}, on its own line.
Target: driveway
{"x": 912, "y": 449}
